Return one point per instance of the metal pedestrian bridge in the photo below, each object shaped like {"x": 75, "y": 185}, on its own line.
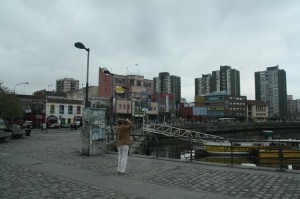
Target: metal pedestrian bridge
{"x": 170, "y": 131}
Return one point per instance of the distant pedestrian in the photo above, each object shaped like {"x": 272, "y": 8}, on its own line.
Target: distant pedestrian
{"x": 123, "y": 140}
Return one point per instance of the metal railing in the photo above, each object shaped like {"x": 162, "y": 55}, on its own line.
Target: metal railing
{"x": 162, "y": 141}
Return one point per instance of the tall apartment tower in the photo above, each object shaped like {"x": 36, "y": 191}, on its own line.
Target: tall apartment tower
{"x": 66, "y": 85}
{"x": 226, "y": 79}
{"x": 270, "y": 87}
{"x": 202, "y": 85}
{"x": 166, "y": 83}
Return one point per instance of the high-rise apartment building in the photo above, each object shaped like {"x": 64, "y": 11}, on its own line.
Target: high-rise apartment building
{"x": 270, "y": 87}
{"x": 293, "y": 108}
{"x": 167, "y": 83}
{"x": 226, "y": 79}
{"x": 66, "y": 85}
{"x": 202, "y": 85}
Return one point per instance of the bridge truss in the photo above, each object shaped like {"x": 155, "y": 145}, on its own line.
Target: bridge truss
{"x": 179, "y": 133}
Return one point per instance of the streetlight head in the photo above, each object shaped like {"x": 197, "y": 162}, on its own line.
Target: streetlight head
{"x": 79, "y": 45}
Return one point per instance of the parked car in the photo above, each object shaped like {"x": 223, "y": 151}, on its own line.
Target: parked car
{"x": 4, "y": 131}
{"x": 54, "y": 126}
{"x": 27, "y": 125}
{"x": 65, "y": 125}
{"x": 17, "y": 131}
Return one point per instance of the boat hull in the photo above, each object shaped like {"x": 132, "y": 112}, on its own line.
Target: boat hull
{"x": 275, "y": 153}
{"x": 228, "y": 150}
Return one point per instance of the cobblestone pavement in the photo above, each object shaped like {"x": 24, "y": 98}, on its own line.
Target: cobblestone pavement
{"x": 63, "y": 147}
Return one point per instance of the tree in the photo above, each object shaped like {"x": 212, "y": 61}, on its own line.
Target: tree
{"x": 9, "y": 104}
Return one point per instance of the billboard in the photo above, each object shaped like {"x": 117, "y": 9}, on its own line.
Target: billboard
{"x": 199, "y": 111}
{"x": 120, "y": 89}
{"x": 200, "y": 99}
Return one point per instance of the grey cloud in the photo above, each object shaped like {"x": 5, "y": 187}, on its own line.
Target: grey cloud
{"x": 185, "y": 38}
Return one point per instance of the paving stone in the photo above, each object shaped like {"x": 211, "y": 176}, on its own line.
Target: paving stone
{"x": 61, "y": 147}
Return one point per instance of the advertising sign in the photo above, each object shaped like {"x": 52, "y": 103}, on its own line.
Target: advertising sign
{"x": 120, "y": 89}
{"x": 199, "y": 111}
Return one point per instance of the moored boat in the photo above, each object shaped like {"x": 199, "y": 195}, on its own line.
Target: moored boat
{"x": 226, "y": 147}
{"x": 287, "y": 148}
{"x": 237, "y": 148}
{"x": 276, "y": 153}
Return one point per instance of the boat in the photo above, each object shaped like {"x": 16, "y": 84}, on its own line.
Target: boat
{"x": 236, "y": 148}
{"x": 287, "y": 148}
{"x": 226, "y": 147}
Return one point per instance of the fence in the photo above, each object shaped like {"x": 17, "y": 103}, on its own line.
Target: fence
{"x": 279, "y": 154}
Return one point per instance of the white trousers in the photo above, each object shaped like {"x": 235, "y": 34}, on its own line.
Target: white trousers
{"x": 122, "y": 158}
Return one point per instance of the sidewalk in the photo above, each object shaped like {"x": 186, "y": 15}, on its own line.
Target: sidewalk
{"x": 50, "y": 165}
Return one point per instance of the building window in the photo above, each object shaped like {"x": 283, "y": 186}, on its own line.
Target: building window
{"x": 147, "y": 84}
{"x": 139, "y": 83}
{"x": 78, "y": 110}
{"x": 52, "y": 108}
{"x": 41, "y": 107}
{"x": 131, "y": 82}
{"x": 70, "y": 109}
{"x": 63, "y": 120}
{"x": 61, "y": 109}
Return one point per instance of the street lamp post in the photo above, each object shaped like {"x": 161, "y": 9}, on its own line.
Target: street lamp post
{"x": 81, "y": 46}
{"x": 19, "y": 84}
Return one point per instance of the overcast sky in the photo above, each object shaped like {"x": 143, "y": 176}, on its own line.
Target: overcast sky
{"x": 186, "y": 38}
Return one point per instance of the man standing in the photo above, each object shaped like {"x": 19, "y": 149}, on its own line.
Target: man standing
{"x": 123, "y": 141}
